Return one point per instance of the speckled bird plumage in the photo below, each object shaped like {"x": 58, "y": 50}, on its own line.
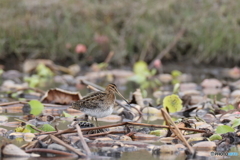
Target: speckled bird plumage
{"x": 98, "y": 104}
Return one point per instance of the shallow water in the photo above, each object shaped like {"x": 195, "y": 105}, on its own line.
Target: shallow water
{"x": 138, "y": 155}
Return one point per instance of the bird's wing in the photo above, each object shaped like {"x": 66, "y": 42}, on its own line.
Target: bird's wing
{"x": 90, "y": 101}
{"x": 93, "y": 96}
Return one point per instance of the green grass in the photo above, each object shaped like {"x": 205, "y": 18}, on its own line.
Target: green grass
{"x": 137, "y": 30}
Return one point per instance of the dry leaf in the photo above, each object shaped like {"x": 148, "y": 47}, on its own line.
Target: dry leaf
{"x": 60, "y": 96}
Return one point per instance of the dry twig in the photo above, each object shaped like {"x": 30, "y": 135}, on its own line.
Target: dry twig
{"x": 84, "y": 144}
{"x": 44, "y": 150}
{"x": 176, "y": 130}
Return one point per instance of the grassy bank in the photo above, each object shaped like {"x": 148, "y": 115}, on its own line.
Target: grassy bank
{"x": 134, "y": 30}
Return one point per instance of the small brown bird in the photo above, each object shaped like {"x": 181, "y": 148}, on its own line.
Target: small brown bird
{"x": 98, "y": 104}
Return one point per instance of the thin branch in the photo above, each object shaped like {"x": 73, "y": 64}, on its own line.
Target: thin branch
{"x": 11, "y": 103}
{"x": 109, "y": 57}
{"x": 30, "y": 88}
{"x": 84, "y": 144}
{"x": 177, "y": 131}
{"x": 70, "y": 130}
{"x": 35, "y": 128}
{"x": 104, "y": 133}
{"x": 44, "y": 150}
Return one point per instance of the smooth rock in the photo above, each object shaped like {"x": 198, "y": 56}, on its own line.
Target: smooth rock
{"x": 3, "y": 119}
{"x": 165, "y": 78}
{"x": 235, "y": 94}
{"x": 205, "y": 146}
{"x": 103, "y": 139}
{"x": 211, "y": 83}
{"x": 3, "y": 131}
{"x": 12, "y": 150}
{"x": 55, "y": 146}
{"x": 188, "y": 86}
{"x": 165, "y": 149}
{"x": 15, "y": 135}
{"x": 152, "y": 111}
{"x": 226, "y": 91}
{"x": 157, "y": 94}
{"x": 190, "y": 92}
{"x": 125, "y": 138}
{"x": 211, "y": 91}
{"x": 209, "y": 118}
{"x": 28, "y": 137}
{"x": 203, "y": 125}
{"x": 111, "y": 118}
{"x": 185, "y": 78}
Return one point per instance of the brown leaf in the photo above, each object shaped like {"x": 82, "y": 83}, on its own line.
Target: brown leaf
{"x": 60, "y": 96}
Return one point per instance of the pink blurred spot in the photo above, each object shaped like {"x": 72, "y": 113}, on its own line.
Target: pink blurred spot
{"x": 234, "y": 72}
{"x": 157, "y": 63}
{"x": 80, "y": 48}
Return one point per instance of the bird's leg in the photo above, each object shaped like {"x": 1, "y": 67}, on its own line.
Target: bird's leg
{"x": 86, "y": 117}
{"x": 96, "y": 121}
{"x": 92, "y": 119}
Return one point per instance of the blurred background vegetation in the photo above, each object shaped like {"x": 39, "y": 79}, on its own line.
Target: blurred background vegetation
{"x": 133, "y": 30}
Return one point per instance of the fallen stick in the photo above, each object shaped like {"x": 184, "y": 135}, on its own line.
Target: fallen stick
{"x": 176, "y": 130}
{"x": 44, "y": 150}
{"x": 70, "y": 130}
{"x": 84, "y": 144}
{"x": 11, "y": 103}
{"x": 104, "y": 133}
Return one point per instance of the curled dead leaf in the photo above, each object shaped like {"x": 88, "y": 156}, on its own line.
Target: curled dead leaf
{"x": 60, "y": 96}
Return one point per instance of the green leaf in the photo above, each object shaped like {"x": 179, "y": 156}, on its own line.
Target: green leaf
{"x": 144, "y": 93}
{"x": 215, "y": 137}
{"x": 14, "y": 95}
{"x": 33, "y": 81}
{"x": 156, "y": 132}
{"x": 47, "y": 128}
{"x": 173, "y": 103}
{"x": 141, "y": 68}
{"x": 138, "y": 78}
{"x": 176, "y": 73}
{"x": 19, "y": 129}
{"x": 224, "y": 129}
{"x": 235, "y": 123}
{"x": 153, "y": 71}
{"x": 66, "y": 114}
{"x": 176, "y": 88}
{"x": 145, "y": 85}
{"x": 103, "y": 65}
{"x": 228, "y": 107}
{"x": 36, "y": 107}
{"x": 1, "y": 71}
{"x": 26, "y": 131}
{"x": 28, "y": 127}
{"x": 44, "y": 71}
{"x": 175, "y": 81}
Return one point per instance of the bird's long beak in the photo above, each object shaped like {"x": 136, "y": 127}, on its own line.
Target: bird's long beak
{"x": 122, "y": 96}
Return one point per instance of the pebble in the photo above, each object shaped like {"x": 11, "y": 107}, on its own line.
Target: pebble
{"x": 204, "y": 146}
